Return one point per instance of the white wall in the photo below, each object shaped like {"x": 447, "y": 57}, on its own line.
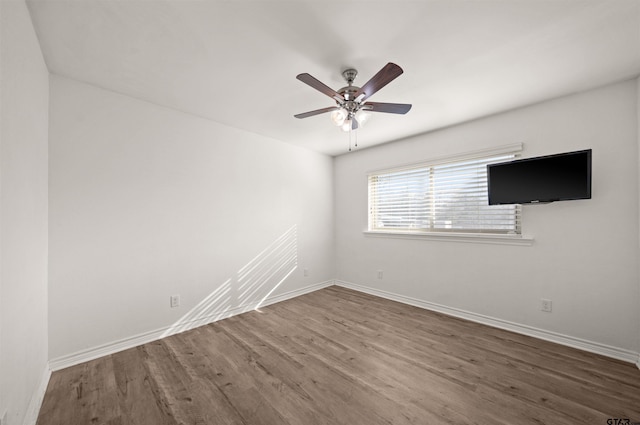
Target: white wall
{"x": 147, "y": 202}
{"x": 585, "y": 254}
{"x": 23, "y": 216}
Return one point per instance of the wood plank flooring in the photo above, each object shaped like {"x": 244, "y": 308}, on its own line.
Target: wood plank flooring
{"x": 338, "y": 356}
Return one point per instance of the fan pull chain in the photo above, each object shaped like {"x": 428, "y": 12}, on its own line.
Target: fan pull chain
{"x": 355, "y": 138}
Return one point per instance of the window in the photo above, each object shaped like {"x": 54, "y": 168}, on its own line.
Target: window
{"x": 448, "y": 195}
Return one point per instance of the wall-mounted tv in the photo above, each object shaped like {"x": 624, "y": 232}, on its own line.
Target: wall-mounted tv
{"x": 550, "y": 178}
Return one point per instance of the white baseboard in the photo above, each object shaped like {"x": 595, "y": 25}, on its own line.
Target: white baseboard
{"x": 36, "y": 400}
{"x": 133, "y": 341}
{"x": 594, "y": 347}
{"x": 146, "y": 337}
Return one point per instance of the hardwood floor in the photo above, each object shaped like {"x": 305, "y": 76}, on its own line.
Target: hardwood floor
{"x": 337, "y": 356}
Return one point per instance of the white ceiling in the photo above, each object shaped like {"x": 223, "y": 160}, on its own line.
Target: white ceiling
{"x": 235, "y": 62}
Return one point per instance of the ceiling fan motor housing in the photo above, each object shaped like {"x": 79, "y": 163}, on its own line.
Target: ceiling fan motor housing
{"x": 349, "y": 104}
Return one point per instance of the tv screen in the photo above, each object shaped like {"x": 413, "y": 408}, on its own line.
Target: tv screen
{"x": 560, "y": 177}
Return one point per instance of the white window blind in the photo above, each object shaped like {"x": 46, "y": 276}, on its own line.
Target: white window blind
{"x": 447, "y": 196}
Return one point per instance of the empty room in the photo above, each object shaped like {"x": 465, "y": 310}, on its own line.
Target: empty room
{"x": 319, "y": 212}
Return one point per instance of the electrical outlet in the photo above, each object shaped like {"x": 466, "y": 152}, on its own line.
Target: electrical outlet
{"x": 175, "y": 301}
{"x": 545, "y": 305}
{"x": 379, "y": 274}
{"x": 306, "y": 272}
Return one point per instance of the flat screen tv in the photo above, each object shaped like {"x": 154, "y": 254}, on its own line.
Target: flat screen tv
{"x": 559, "y": 177}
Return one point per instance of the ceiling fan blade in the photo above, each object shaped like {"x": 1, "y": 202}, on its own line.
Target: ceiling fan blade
{"x": 392, "y": 108}
{"x": 320, "y": 86}
{"x": 387, "y": 74}
{"x": 316, "y": 112}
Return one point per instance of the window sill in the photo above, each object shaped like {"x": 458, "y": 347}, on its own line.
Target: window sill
{"x": 456, "y": 237}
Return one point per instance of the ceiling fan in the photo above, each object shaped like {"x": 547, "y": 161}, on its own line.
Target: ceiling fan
{"x": 351, "y": 101}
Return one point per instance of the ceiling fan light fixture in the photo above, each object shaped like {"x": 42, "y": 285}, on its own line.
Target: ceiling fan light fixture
{"x": 362, "y": 116}
{"x": 338, "y": 117}
{"x": 346, "y": 126}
